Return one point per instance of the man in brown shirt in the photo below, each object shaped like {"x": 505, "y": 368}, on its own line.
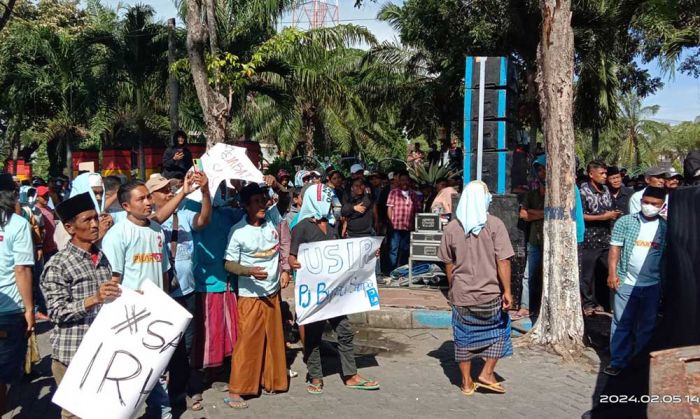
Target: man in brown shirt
{"x": 476, "y": 250}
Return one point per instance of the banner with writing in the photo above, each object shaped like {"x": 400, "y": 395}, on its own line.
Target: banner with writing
{"x": 336, "y": 278}
{"x": 226, "y": 162}
{"x": 121, "y": 357}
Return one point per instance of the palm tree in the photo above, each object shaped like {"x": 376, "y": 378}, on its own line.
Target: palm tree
{"x": 304, "y": 92}
{"x": 636, "y": 132}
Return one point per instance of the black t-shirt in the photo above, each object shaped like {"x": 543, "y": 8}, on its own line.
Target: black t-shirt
{"x": 306, "y": 231}
{"x": 359, "y": 225}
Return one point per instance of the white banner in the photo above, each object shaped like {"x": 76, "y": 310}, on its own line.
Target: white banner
{"x": 226, "y": 162}
{"x": 336, "y": 278}
{"x": 121, "y": 357}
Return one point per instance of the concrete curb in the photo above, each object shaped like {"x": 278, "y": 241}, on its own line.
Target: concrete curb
{"x": 403, "y": 318}
{"x": 410, "y": 318}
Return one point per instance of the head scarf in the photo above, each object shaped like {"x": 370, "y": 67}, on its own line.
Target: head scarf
{"x": 299, "y": 178}
{"x": 84, "y": 183}
{"x": 316, "y": 204}
{"x": 473, "y": 207}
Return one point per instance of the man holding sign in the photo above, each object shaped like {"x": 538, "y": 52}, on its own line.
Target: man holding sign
{"x": 76, "y": 282}
{"x": 136, "y": 249}
{"x": 312, "y": 225}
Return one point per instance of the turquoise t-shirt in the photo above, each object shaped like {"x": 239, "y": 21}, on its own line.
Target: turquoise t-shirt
{"x": 257, "y": 246}
{"x": 16, "y": 249}
{"x": 136, "y": 252}
{"x": 210, "y": 247}
{"x": 117, "y": 215}
{"x": 183, "y": 253}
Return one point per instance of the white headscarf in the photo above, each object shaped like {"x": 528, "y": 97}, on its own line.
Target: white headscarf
{"x": 473, "y": 207}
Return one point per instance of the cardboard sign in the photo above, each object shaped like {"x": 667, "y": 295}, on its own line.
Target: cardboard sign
{"x": 121, "y": 357}
{"x": 86, "y": 165}
{"x": 226, "y": 162}
{"x": 336, "y": 278}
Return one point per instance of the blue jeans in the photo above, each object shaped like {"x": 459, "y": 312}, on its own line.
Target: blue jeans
{"x": 534, "y": 277}
{"x": 633, "y": 321}
{"x": 400, "y": 242}
{"x": 158, "y": 402}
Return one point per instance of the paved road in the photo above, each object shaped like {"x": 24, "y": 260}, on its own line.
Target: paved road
{"x": 418, "y": 375}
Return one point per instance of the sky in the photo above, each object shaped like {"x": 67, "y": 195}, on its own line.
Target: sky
{"x": 679, "y": 100}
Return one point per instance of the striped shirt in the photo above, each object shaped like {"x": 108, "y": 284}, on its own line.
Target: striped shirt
{"x": 68, "y": 279}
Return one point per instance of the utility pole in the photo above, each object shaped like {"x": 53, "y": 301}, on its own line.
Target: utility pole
{"x": 173, "y": 86}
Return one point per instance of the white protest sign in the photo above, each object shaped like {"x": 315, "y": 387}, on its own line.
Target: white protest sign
{"x": 226, "y": 162}
{"x": 123, "y": 354}
{"x": 336, "y": 278}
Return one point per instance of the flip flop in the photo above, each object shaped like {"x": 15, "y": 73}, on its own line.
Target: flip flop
{"x": 312, "y": 388}
{"x": 494, "y": 387}
{"x": 235, "y": 402}
{"x": 471, "y": 389}
{"x": 196, "y": 403}
{"x": 363, "y": 385}
{"x": 516, "y": 316}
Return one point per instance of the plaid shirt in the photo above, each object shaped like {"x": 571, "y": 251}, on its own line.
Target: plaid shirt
{"x": 403, "y": 209}
{"x": 625, "y": 235}
{"x": 68, "y": 279}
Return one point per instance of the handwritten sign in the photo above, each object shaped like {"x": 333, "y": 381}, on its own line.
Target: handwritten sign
{"x": 226, "y": 162}
{"x": 121, "y": 357}
{"x": 336, "y": 278}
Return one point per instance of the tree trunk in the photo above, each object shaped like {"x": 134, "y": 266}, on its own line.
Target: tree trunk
{"x": 637, "y": 153}
{"x": 69, "y": 155}
{"x": 7, "y": 13}
{"x": 595, "y": 141}
{"x": 173, "y": 86}
{"x": 309, "y": 129}
{"x": 215, "y": 106}
{"x": 560, "y": 324}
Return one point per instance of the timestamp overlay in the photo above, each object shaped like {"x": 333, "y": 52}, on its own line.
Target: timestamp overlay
{"x": 649, "y": 398}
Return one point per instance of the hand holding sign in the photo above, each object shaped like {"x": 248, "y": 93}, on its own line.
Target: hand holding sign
{"x": 225, "y": 162}
{"x": 123, "y": 354}
{"x": 335, "y": 278}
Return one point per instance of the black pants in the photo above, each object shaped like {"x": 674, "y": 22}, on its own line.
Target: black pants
{"x": 179, "y": 365}
{"x": 314, "y": 335}
{"x": 590, "y": 261}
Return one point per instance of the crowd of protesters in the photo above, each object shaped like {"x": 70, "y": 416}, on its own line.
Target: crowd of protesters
{"x": 68, "y": 247}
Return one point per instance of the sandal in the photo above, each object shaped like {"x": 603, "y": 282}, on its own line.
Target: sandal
{"x": 235, "y": 402}
{"x": 494, "y": 387}
{"x": 364, "y": 384}
{"x": 196, "y": 402}
{"x": 472, "y": 388}
{"x": 317, "y": 388}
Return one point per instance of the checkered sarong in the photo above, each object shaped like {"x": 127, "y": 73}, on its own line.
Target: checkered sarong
{"x": 481, "y": 331}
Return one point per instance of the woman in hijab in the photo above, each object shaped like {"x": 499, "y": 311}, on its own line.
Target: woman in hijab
{"x": 476, "y": 250}
{"x": 177, "y": 158}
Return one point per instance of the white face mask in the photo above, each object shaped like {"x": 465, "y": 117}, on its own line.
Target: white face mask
{"x": 650, "y": 210}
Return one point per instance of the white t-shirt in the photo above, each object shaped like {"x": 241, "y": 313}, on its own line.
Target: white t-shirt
{"x": 259, "y": 247}
{"x": 137, "y": 253}
{"x": 644, "y": 265}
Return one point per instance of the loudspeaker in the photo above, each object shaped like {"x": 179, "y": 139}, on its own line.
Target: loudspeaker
{"x": 498, "y": 135}
{"x": 500, "y": 73}
{"x": 500, "y": 170}
{"x": 498, "y": 104}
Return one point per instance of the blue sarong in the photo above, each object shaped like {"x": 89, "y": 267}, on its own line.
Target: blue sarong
{"x": 481, "y": 331}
